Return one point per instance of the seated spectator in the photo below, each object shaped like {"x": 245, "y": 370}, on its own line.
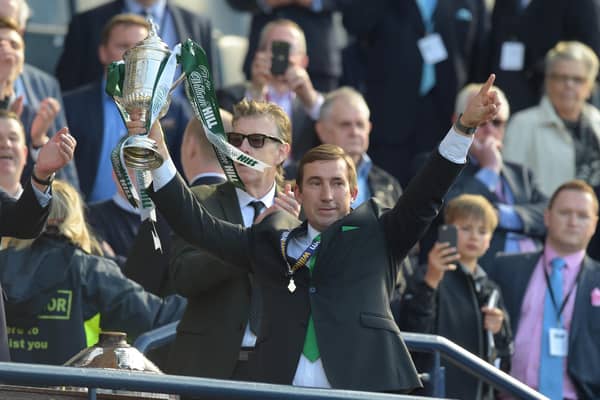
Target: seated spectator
{"x": 553, "y": 299}
{"x": 57, "y": 284}
{"x": 559, "y": 139}
{"x": 42, "y": 118}
{"x": 292, "y": 90}
{"x": 95, "y": 121}
{"x": 344, "y": 121}
{"x": 510, "y": 187}
{"x": 450, "y": 295}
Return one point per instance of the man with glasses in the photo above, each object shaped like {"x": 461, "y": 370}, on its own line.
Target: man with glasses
{"x": 559, "y": 139}
{"x": 220, "y": 318}
{"x": 510, "y": 187}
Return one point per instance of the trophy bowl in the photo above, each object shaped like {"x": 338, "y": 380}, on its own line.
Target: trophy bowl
{"x": 143, "y": 66}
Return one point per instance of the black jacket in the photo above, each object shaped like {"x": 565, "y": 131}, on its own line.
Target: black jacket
{"x": 53, "y": 287}
{"x": 453, "y": 311}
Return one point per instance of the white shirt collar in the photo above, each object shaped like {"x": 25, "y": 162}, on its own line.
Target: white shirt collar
{"x": 244, "y": 198}
{"x": 312, "y": 232}
{"x": 124, "y": 204}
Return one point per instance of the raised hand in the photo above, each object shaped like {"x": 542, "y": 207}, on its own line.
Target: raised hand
{"x": 44, "y": 118}
{"x": 493, "y": 318}
{"x": 136, "y": 127}
{"x": 440, "y": 259}
{"x": 285, "y": 201}
{"x": 55, "y": 154}
{"x": 482, "y": 107}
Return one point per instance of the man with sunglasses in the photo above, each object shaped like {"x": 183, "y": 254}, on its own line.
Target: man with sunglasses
{"x": 222, "y": 314}
{"x": 326, "y": 319}
{"x": 509, "y": 186}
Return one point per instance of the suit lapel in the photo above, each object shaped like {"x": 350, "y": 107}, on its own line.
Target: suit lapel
{"x": 229, "y": 202}
{"x": 179, "y": 23}
{"x": 588, "y": 280}
{"x": 513, "y": 183}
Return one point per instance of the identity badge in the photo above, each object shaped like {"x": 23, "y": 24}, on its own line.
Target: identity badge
{"x": 559, "y": 342}
{"x": 512, "y": 56}
{"x": 432, "y": 48}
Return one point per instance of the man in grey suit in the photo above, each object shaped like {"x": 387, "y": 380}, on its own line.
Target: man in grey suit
{"x": 553, "y": 299}
{"x": 316, "y": 329}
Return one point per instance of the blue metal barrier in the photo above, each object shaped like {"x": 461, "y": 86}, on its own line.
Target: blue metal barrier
{"x": 437, "y": 345}
{"x": 201, "y": 388}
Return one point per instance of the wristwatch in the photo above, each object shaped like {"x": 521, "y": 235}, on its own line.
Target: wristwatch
{"x": 45, "y": 182}
{"x": 462, "y": 128}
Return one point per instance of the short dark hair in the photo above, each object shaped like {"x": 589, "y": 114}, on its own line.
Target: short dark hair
{"x": 577, "y": 185}
{"x": 126, "y": 19}
{"x": 327, "y": 152}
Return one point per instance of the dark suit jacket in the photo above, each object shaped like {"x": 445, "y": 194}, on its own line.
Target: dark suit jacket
{"x": 360, "y": 345}
{"x": 23, "y": 218}
{"x": 79, "y": 64}
{"x": 391, "y": 30}
{"x": 530, "y": 203}
{"x": 322, "y": 47}
{"x": 571, "y": 20}
{"x": 85, "y": 114}
{"x": 304, "y": 136}
{"x": 513, "y": 272}
{"x": 38, "y": 85}
{"x": 219, "y": 293}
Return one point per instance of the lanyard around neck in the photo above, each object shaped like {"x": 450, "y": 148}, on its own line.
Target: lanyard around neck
{"x": 559, "y": 310}
{"x": 306, "y": 254}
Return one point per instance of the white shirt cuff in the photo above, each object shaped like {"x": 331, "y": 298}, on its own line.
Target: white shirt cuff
{"x": 42, "y": 197}
{"x": 163, "y": 174}
{"x": 455, "y": 147}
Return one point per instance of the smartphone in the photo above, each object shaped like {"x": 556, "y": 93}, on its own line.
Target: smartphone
{"x": 447, "y": 233}
{"x": 281, "y": 52}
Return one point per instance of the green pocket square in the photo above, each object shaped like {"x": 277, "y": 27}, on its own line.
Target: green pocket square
{"x": 346, "y": 228}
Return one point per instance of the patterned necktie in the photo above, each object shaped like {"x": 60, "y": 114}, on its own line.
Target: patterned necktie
{"x": 311, "y": 348}
{"x": 258, "y": 206}
{"x": 551, "y": 367}
{"x": 427, "y": 8}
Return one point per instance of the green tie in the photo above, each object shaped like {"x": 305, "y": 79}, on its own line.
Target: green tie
{"x": 311, "y": 349}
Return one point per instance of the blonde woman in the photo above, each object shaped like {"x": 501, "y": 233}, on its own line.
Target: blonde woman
{"x": 59, "y": 282}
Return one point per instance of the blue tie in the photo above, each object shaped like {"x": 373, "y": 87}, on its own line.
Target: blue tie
{"x": 551, "y": 367}
{"x": 427, "y": 7}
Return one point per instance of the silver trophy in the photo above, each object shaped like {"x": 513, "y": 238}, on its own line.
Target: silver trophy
{"x": 143, "y": 64}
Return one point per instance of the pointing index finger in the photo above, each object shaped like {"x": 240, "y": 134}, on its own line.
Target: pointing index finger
{"x": 488, "y": 84}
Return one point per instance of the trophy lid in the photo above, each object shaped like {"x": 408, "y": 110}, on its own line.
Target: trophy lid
{"x": 152, "y": 42}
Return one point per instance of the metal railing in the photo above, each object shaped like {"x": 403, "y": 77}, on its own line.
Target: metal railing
{"x": 438, "y": 345}
{"x": 200, "y": 388}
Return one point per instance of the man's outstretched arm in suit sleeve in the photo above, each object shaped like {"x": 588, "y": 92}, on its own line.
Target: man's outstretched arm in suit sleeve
{"x": 406, "y": 223}
{"x": 184, "y": 213}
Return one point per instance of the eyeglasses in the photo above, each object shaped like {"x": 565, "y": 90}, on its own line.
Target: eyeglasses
{"x": 256, "y": 140}
{"x": 564, "y": 78}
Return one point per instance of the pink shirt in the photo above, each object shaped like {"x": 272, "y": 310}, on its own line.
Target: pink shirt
{"x": 526, "y": 359}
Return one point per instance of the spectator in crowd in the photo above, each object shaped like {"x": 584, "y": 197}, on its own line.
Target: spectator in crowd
{"x": 299, "y": 343}
{"x": 26, "y": 217}
{"x": 58, "y": 282}
{"x": 39, "y": 122}
{"x": 293, "y": 90}
{"x": 408, "y": 90}
{"x": 518, "y": 46}
{"x": 95, "y": 120}
{"x": 450, "y": 296}
{"x": 553, "y": 300}
{"x": 344, "y": 121}
{"x": 223, "y": 312}
{"x": 510, "y": 187}
{"x": 315, "y": 19}
{"x": 559, "y": 139}
{"x": 79, "y": 62}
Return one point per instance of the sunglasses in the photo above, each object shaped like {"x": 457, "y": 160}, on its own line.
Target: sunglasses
{"x": 256, "y": 140}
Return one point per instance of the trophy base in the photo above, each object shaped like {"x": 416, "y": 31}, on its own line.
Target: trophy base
{"x": 141, "y": 152}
